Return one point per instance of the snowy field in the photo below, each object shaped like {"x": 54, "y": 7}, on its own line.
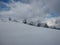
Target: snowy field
{"x": 12, "y": 33}
{"x": 41, "y": 13}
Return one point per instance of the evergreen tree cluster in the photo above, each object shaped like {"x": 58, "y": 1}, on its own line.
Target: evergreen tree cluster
{"x": 39, "y": 24}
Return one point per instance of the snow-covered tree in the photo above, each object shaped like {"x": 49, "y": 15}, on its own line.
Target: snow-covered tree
{"x": 38, "y": 24}
{"x": 10, "y": 19}
{"x": 25, "y": 21}
{"x": 31, "y": 23}
{"x": 46, "y": 25}
{"x": 15, "y": 20}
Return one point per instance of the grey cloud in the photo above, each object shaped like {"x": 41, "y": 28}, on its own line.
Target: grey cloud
{"x": 35, "y": 9}
{"x": 54, "y": 5}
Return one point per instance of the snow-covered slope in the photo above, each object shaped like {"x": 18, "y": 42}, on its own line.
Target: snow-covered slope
{"x": 12, "y": 33}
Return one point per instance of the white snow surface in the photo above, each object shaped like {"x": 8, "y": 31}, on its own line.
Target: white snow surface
{"x": 12, "y": 33}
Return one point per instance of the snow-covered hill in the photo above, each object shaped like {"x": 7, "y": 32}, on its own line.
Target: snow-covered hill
{"x": 12, "y": 33}
{"x": 39, "y": 13}
{"x": 30, "y": 21}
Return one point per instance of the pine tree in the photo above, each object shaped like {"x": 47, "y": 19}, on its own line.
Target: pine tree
{"x": 38, "y": 24}
{"x": 24, "y": 21}
{"x": 10, "y": 19}
{"x": 46, "y": 26}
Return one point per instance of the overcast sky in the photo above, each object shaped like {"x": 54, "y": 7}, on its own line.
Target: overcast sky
{"x": 45, "y": 9}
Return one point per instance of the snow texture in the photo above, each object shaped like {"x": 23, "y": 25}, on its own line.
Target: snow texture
{"x": 12, "y": 33}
